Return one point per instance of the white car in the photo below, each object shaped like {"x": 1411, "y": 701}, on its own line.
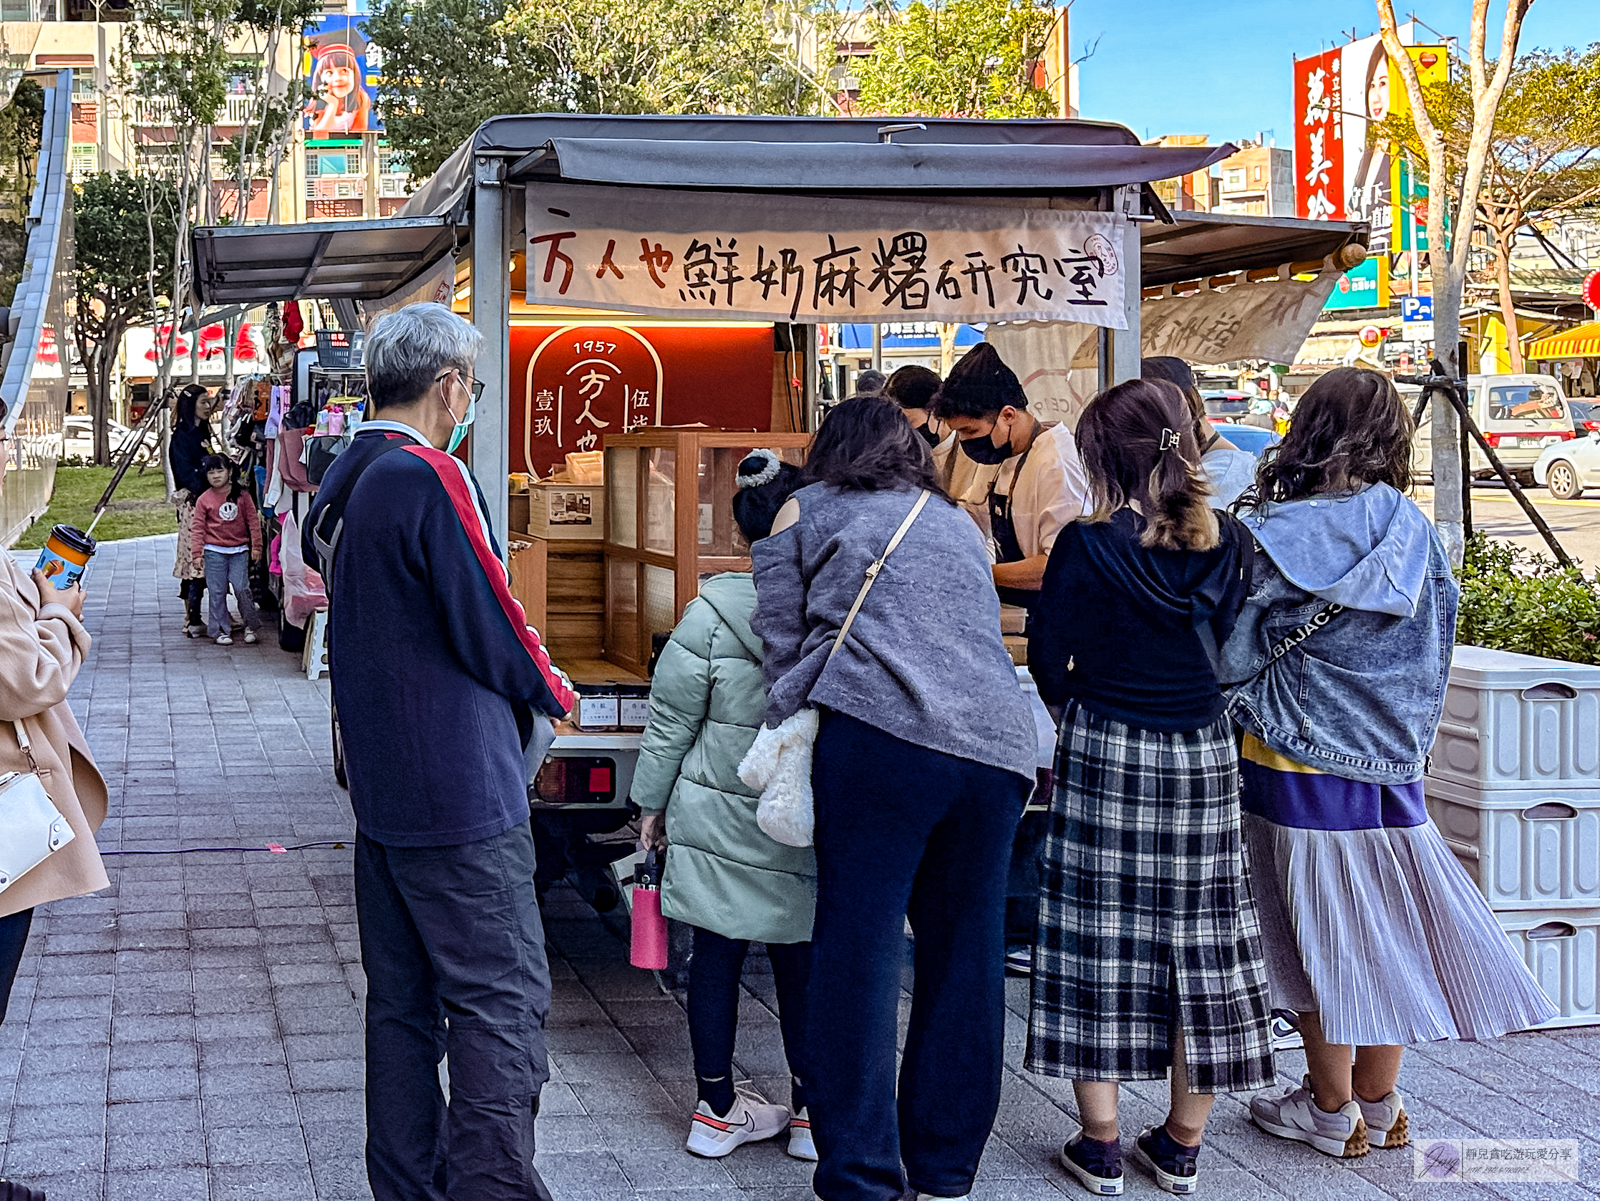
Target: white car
{"x": 1567, "y": 468}
{"x": 80, "y": 438}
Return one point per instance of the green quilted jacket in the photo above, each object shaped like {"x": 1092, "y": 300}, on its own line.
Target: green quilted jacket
{"x": 706, "y": 698}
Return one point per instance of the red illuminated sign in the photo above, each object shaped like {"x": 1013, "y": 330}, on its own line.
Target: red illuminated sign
{"x": 574, "y": 384}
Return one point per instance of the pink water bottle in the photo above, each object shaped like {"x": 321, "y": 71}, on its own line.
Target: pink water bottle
{"x": 648, "y": 948}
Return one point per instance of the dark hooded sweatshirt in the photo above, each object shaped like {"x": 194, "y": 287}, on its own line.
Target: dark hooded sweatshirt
{"x": 1120, "y": 628}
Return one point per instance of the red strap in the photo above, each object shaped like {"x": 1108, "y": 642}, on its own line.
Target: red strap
{"x": 449, "y": 471}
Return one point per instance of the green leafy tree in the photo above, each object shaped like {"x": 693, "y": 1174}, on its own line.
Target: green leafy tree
{"x": 448, "y": 65}
{"x": 958, "y": 58}
{"x": 1543, "y": 151}
{"x": 114, "y": 217}
{"x": 451, "y": 64}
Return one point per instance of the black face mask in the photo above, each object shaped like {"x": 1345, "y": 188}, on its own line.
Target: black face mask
{"x": 928, "y": 436}
{"x": 983, "y": 450}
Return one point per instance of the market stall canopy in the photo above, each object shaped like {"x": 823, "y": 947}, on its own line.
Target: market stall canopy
{"x": 1580, "y": 342}
{"x": 327, "y": 260}
{"x": 763, "y": 153}
{"x": 856, "y": 166}
{"x": 1196, "y": 245}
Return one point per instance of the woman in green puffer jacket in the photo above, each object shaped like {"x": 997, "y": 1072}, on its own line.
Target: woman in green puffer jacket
{"x": 723, "y": 876}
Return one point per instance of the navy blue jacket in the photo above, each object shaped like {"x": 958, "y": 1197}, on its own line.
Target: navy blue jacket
{"x": 435, "y": 672}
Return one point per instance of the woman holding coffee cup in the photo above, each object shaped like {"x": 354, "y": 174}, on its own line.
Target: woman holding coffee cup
{"x": 42, "y": 647}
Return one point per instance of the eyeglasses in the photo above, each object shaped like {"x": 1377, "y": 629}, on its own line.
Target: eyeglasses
{"x": 475, "y": 387}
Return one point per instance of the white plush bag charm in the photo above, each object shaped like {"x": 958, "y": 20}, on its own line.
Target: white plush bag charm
{"x": 779, "y": 760}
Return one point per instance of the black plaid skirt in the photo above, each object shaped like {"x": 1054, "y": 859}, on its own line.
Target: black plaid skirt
{"x": 1146, "y": 926}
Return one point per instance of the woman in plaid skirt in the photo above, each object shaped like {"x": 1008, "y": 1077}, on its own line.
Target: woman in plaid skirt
{"x": 1147, "y": 961}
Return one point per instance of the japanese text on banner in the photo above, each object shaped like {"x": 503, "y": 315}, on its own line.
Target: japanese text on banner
{"x": 784, "y": 259}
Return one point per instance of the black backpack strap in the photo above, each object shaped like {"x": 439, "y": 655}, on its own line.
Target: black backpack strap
{"x": 329, "y": 525}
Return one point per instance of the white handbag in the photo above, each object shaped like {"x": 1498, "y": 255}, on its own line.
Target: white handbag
{"x": 779, "y": 760}
{"x": 31, "y": 827}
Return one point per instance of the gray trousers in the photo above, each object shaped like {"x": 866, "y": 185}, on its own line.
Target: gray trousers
{"x": 453, "y": 932}
{"x": 221, "y": 572}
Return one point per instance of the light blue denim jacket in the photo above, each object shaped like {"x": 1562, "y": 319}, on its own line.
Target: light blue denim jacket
{"x": 1361, "y": 696}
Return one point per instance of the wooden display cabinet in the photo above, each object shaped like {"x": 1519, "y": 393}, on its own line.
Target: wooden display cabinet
{"x": 669, "y": 521}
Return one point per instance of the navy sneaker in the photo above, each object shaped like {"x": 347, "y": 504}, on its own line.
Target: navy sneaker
{"x": 1095, "y": 1165}
{"x": 1169, "y": 1161}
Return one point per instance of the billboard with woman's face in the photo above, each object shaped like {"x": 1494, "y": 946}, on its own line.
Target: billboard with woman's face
{"x": 342, "y": 82}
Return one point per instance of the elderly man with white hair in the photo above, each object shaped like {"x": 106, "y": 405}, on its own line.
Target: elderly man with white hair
{"x": 439, "y": 684}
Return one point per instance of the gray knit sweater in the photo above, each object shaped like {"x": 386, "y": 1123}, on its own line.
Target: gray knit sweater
{"x": 924, "y": 660}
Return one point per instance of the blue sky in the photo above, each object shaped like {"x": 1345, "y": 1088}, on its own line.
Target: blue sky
{"x": 1221, "y": 67}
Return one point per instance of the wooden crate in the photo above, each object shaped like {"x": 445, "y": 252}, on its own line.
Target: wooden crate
{"x": 528, "y": 568}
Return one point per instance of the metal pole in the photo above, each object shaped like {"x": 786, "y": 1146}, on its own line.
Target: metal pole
{"x": 1124, "y": 343}
{"x": 490, "y": 457}
{"x": 877, "y": 347}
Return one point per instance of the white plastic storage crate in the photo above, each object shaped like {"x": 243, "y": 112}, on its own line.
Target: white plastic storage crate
{"x": 1562, "y": 949}
{"x": 1519, "y": 721}
{"x": 1525, "y": 848}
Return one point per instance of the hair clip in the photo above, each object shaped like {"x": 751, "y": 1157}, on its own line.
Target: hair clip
{"x": 766, "y": 475}
{"x": 1169, "y": 440}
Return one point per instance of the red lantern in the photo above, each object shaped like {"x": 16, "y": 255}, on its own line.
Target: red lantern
{"x": 1591, "y": 291}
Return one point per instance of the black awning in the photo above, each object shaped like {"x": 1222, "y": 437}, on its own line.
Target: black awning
{"x": 908, "y": 166}
{"x": 329, "y": 260}
{"x": 1203, "y": 244}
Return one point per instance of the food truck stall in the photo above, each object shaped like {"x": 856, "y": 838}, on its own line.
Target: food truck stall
{"x": 650, "y": 289}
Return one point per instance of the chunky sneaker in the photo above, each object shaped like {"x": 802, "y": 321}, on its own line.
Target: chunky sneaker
{"x": 194, "y": 631}
{"x": 224, "y": 640}
{"x": 750, "y": 1120}
{"x": 1167, "y": 1160}
{"x": 801, "y": 1145}
{"x": 1291, "y": 1113}
{"x": 1095, "y": 1165}
{"x": 1019, "y": 961}
{"x": 1387, "y": 1124}
{"x": 1285, "y": 1030}
{"x": 250, "y": 637}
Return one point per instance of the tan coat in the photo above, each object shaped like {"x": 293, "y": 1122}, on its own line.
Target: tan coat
{"x": 42, "y": 647}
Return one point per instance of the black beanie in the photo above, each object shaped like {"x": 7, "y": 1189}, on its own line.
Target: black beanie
{"x": 765, "y": 482}
{"x": 980, "y": 385}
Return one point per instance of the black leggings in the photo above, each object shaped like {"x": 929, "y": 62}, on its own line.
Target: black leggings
{"x": 714, "y": 973}
{"x": 13, "y": 937}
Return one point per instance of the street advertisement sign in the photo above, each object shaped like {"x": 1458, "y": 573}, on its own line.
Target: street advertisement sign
{"x": 1363, "y": 287}
{"x": 339, "y": 70}
{"x": 807, "y": 260}
{"x": 1318, "y": 136}
{"x": 1339, "y": 95}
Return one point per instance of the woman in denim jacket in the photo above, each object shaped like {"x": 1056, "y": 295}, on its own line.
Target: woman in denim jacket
{"x": 1372, "y": 931}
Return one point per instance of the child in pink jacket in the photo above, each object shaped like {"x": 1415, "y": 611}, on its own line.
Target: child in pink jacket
{"x": 227, "y": 534}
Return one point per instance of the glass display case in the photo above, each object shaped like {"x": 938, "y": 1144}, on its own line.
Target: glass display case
{"x": 669, "y": 521}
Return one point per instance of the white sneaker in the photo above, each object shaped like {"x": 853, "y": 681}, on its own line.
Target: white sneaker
{"x": 1291, "y": 1113}
{"x": 224, "y": 640}
{"x": 801, "y": 1145}
{"x": 1387, "y": 1123}
{"x": 751, "y": 1119}
{"x": 250, "y": 637}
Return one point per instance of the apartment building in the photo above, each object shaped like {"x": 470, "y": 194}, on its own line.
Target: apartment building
{"x": 1258, "y": 181}
{"x": 337, "y": 165}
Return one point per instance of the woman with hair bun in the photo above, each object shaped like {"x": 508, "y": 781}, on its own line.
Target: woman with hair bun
{"x": 723, "y": 876}
{"x": 1147, "y": 962}
{"x": 1373, "y": 932}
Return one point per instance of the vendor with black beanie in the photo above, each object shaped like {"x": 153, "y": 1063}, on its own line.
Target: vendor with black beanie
{"x": 1039, "y": 486}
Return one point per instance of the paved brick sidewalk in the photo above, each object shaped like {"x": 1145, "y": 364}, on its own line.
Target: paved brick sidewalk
{"x": 194, "y": 1034}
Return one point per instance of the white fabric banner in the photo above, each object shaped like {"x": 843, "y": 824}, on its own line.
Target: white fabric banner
{"x": 813, "y": 259}
{"x": 1054, "y": 362}
{"x": 1246, "y": 321}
